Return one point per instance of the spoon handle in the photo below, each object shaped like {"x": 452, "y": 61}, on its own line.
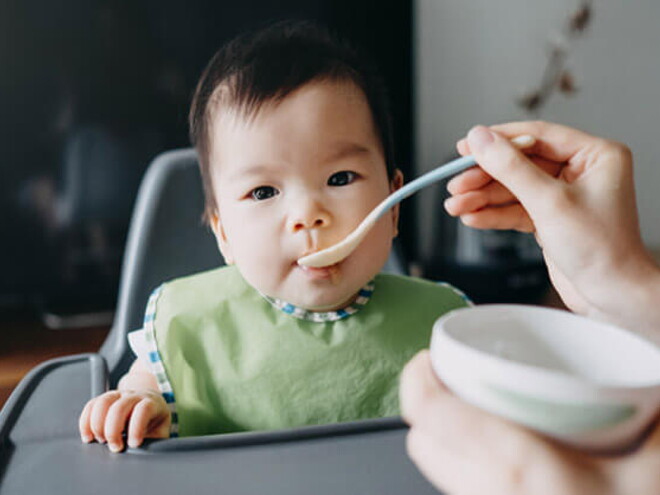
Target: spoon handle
{"x": 454, "y": 167}
{"x": 451, "y": 168}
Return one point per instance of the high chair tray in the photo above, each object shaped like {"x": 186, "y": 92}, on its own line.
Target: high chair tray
{"x": 41, "y": 451}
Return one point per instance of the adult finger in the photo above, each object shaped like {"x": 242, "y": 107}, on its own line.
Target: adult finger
{"x": 449, "y": 470}
{"x": 116, "y": 420}
{"x": 509, "y": 217}
{"x": 651, "y": 444}
{"x": 636, "y": 472}
{"x": 99, "y": 412}
{"x": 473, "y": 178}
{"x": 462, "y": 147}
{"x": 498, "y": 157}
{"x": 477, "y": 178}
{"x": 492, "y": 195}
{"x": 427, "y": 404}
{"x": 454, "y": 425}
{"x": 418, "y": 386}
{"x": 553, "y": 141}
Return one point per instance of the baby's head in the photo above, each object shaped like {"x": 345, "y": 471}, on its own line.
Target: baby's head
{"x": 294, "y": 139}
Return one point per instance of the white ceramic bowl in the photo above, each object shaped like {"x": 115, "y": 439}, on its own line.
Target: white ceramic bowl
{"x": 591, "y": 385}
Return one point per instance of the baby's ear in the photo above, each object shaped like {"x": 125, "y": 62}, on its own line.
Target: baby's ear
{"x": 221, "y": 238}
{"x": 396, "y": 183}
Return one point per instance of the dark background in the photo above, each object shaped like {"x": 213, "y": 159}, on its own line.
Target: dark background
{"x": 92, "y": 90}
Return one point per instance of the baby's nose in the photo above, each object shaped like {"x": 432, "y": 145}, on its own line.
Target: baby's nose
{"x": 314, "y": 218}
{"x": 302, "y": 224}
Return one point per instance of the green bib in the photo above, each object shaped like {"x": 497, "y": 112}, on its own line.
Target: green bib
{"x": 237, "y": 363}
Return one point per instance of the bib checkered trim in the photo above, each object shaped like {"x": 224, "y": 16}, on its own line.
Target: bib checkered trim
{"x": 457, "y": 292}
{"x": 156, "y": 362}
{"x": 364, "y": 295}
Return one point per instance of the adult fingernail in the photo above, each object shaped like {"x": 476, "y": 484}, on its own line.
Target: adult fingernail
{"x": 479, "y": 137}
{"x": 114, "y": 447}
{"x": 86, "y": 438}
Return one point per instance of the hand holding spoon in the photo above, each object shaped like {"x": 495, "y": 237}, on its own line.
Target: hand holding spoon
{"x": 339, "y": 251}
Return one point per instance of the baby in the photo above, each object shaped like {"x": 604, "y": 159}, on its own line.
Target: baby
{"x": 294, "y": 141}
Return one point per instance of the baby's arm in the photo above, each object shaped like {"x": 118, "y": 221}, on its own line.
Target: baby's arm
{"x": 136, "y": 407}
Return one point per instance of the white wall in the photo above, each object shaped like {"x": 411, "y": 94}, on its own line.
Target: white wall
{"x": 474, "y": 58}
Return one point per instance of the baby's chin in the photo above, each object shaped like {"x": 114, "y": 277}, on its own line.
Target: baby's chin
{"x": 330, "y": 306}
{"x": 316, "y": 291}
{"x": 320, "y": 299}
{"x": 321, "y": 303}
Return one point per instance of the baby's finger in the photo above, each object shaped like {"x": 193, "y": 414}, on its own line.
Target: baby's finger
{"x": 86, "y": 434}
{"x": 99, "y": 412}
{"x": 117, "y": 419}
{"x": 510, "y": 217}
{"x": 493, "y": 195}
{"x": 142, "y": 420}
{"x": 139, "y": 422}
{"x": 471, "y": 179}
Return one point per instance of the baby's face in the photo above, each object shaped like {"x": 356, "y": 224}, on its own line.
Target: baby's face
{"x": 298, "y": 178}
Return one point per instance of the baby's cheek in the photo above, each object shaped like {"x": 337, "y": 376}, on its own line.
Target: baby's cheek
{"x": 261, "y": 276}
{"x": 377, "y": 248}
{"x": 266, "y": 274}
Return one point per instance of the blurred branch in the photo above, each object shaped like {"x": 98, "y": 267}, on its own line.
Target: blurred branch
{"x": 555, "y": 75}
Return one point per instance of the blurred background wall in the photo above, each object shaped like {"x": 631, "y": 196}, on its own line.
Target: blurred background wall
{"x": 92, "y": 90}
{"x": 475, "y": 60}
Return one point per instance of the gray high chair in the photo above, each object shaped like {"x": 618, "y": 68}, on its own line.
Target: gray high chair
{"x": 41, "y": 451}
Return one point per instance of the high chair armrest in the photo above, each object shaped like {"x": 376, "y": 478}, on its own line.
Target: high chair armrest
{"x": 49, "y": 399}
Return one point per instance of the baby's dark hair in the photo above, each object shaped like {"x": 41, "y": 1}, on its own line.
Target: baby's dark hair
{"x": 267, "y": 65}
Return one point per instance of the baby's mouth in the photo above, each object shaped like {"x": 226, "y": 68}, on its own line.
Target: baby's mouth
{"x": 323, "y": 272}
{"x": 318, "y": 267}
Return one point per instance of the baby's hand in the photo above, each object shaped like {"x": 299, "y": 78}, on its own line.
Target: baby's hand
{"x": 142, "y": 414}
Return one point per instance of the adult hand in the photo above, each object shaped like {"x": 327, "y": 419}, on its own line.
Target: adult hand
{"x": 576, "y": 193}
{"x": 463, "y": 450}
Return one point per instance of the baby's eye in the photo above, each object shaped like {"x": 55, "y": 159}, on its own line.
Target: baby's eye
{"x": 342, "y": 178}
{"x": 263, "y": 192}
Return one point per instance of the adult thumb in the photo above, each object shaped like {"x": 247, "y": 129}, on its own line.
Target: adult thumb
{"x": 505, "y": 163}
{"x": 418, "y": 387}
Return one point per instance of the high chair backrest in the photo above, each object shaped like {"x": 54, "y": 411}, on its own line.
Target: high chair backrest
{"x": 167, "y": 239}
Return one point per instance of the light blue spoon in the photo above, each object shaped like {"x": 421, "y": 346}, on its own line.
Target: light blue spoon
{"x": 339, "y": 251}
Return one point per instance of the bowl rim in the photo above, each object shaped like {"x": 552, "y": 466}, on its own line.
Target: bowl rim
{"x": 439, "y": 331}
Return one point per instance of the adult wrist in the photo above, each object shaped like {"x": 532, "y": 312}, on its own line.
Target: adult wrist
{"x": 645, "y": 310}
{"x": 632, "y": 298}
